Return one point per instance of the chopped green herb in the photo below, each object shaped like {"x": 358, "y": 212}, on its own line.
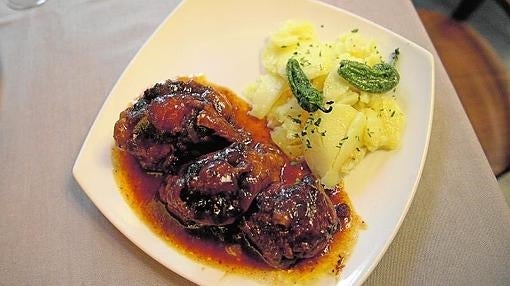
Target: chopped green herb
{"x": 317, "y": 122}
{"x": 308, "y": 144}
{"x": 355, "y": 30}
{"x": 393, "y": 113}
{"x": 295, "y": 120}
{"x": 304, "y": 62}
{"x": 341, "y": 143}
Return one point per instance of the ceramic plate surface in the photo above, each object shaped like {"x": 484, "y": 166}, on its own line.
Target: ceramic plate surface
{"x": 222, "y": 39}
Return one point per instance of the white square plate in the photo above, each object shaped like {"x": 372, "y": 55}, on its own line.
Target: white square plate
{"x": 223, "y": 39}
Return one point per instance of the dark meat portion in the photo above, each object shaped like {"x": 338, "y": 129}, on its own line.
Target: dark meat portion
{"x": 219, "y": 187}
{"x": 176, "y": 122}
{"x": 290, "y": 222}
{"x": 222, "y": 185}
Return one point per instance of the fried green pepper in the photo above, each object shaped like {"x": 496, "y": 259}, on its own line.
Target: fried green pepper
{"x": 308, "y": 97}
{"x": 380, "y": 78}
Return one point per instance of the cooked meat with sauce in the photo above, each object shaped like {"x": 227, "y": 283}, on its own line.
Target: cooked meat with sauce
{"x": 218, "y": 188}
{"x": 175, "y": 122}
{"x": 290, "y": 222}
{"x": 222, "y": 182}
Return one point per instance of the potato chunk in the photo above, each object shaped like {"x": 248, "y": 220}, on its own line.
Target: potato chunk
{"x": 263, "y": 93}
{"x": 385, "y": 123}
{"x": 328, "y": 145}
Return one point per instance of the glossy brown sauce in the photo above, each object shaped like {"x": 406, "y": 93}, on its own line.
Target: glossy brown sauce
{"x": 140, "y": 191}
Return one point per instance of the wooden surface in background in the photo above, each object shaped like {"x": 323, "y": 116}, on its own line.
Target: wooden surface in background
{"x": 481, "y": 81}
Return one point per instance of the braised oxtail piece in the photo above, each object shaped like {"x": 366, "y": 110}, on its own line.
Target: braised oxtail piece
{"x": 176, "y": 122}
{"x": 288, "y": 223}
{"x": 219, "y": 187}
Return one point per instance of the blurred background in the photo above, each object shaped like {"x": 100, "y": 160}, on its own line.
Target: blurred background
{"x": 472, "y": 39}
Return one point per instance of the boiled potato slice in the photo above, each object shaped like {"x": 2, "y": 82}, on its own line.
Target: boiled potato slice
{"x": 316, "y": 58}
{"x": 284, "y": 42}
{"x": 337, "y": 89}
{"x": 374, "y": 135}
{"x": 349, "y": 154}
{"x": 385, "y": 123}
{"x": 321, "y": 149}
{"x": 293, "y": 32}
{"x": 355, "y": 158}
{"x": 285, "y": 112}
{"x": 286, "y": 121}
{"x": 288, "y": 143}
{"x": 392, "y": 118}
{"x": 298, "y": 40}
{"x": 263, "y": 93}
{"x": 274, "y": 59}
{"x": 353, "y": 46}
